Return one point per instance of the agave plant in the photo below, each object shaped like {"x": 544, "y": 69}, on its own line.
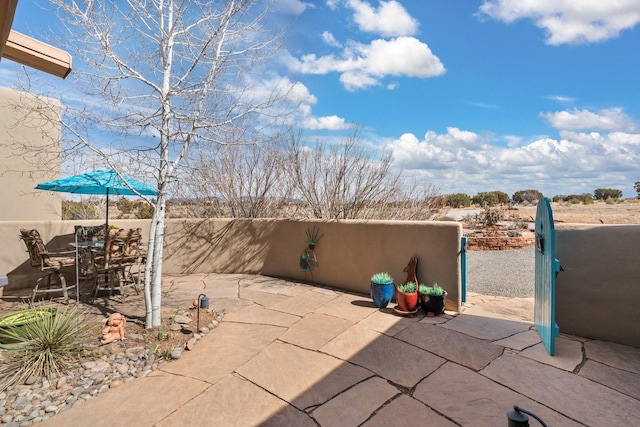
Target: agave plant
{"x": 436, "y": 290}
{"x": 46, "y": 347}
{"x": 381, "y": 279}
{"x": 409, "y": 287}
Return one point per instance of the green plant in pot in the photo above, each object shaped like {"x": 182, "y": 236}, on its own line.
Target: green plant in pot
{"x": 432, "y": 299}
{"x": 381, "y": 289}
{"x": 407, "y": 296}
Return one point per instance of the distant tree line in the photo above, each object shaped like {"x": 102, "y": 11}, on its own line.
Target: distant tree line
{"x": 531, "y": 196}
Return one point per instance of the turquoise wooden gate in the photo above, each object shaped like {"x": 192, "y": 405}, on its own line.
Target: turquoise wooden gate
{"x": 547, "y": 268}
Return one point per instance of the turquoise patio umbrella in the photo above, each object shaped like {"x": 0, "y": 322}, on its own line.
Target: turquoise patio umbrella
{"x": 102, "y": 181}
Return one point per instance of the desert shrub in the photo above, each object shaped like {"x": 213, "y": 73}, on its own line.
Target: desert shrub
{"x": 517, "y": 221}
{"x": 606, "y": 193}
{"x": 124, "y": 205}
{"x": 575, "y": 199}
{"x": 458, "y": 200}
{"x": 46, "y": 347}
{"x": 72, "y": 210}
{"x": 487, "y": 218}
{"x": 491, "y": 198}
{"x": 529, "y": 196}
{"x": 145, "y": 211}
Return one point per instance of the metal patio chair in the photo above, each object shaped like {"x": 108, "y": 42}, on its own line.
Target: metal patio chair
{"x": 49, "y": 262}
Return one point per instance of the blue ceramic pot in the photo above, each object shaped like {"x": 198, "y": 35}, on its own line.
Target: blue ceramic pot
{"x": 381, "y": 294}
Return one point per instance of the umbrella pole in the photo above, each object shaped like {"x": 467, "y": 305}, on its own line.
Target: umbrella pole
{"x": 107, "y": 223}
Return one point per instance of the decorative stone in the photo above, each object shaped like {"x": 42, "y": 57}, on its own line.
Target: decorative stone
{"x": 115, "y": 384}
{"x": 31, "y": 380}
{"x": 89, "y": 364}
{"x": 176, "y": 353}
{"x": 175, "y": 327}
{"x": 182, "y": 319}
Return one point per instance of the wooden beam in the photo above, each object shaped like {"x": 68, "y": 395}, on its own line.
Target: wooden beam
{"x": 7, "y": 12}
{"x": 36, "y": 54}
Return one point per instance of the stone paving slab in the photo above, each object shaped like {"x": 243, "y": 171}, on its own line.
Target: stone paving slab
{"x": 395, "y": 360}
{"x": 355, "y": 405}
{"x": 114, "y": 407}
{"x": 388, "y": 323}
{"x": 436, "y": 320}
{"x": 301, "y": 377}
{"x": 274, "y": 286}
{"x": 315, "y": 330}
{"x": 303, "y": 303}
{"x": 407, "y": 411}
{"x": 471, "y": 399}
{"x": 220, "y": 287}
{"x": 259, "y": 315}
{"x": 223, "y": 350}
{"x": 520, "y": 341}
{"x": 348, "y": 306}
{"x": 483, "y": 324}
{"x": 617, "y": 379}
{"x": 568, "y": 354}
{"x": 265, "y": 299}
{"x": 236, "y": 402}
{"x": 578, "y": 398}
{"x": 520, "y": 309}
{"x": 615, "y": 355}
{"x": 460, "y": 348}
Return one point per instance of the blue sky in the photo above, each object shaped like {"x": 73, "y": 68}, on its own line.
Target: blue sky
{"x": 469, "y": 95}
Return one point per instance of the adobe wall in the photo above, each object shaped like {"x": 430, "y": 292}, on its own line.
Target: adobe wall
{"x": 20, "y": 127}
{"x": 348, "y": 253}
{"x": 598, "y": 293}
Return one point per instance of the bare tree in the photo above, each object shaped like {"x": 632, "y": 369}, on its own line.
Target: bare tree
{"x": 238, "y": 181}
{"x": 166, "y": 76}
{"x": 345, "y": 181}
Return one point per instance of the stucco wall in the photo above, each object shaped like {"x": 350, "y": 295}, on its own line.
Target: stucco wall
{"x": 348, "y": 253}
{"x": 25, "y": 137}
{"x": 598, "y": 293}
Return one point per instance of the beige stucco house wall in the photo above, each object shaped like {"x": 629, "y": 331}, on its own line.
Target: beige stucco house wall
{"x": 21, "y": 126}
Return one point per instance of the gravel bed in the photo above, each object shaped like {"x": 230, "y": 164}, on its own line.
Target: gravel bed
{"x": 508, "y": 273}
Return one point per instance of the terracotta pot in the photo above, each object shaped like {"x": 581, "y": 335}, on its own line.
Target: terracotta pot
{"x": 407, "y": 301}
{"x": 433, "y": 304}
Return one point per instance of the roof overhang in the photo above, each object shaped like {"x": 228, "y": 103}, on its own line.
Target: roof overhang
{"x": 29, "y": 51}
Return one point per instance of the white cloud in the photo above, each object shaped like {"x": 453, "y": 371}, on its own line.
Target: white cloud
{"x": 332, "y": 4}
{"x": 304, "y": 100}
{"x": 560, "y": 98}
{"x": 327, "y": 122}
{"x": 606, "y": 119}
{"x": 292, "y": 7}
{"x": 463, "y": 161}
{"x": 330, "y": 40}
{"x": 364, "y": 65}
{"x": 569, "y": 22}
{"x": 390, "y": 19}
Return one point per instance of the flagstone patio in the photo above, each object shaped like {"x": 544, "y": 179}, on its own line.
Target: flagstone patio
{"x": 292, "y": 354}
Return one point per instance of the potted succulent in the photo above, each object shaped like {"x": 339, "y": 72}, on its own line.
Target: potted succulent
{"x": 381, "y": 289}
{"x": 432, "y": 299}
{"x": 407, "y": 296}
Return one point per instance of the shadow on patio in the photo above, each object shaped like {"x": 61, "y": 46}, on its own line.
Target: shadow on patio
{"x": 289, "y": 354}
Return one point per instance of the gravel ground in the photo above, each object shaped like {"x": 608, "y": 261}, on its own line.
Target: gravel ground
{"x": 508, "y": 273}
